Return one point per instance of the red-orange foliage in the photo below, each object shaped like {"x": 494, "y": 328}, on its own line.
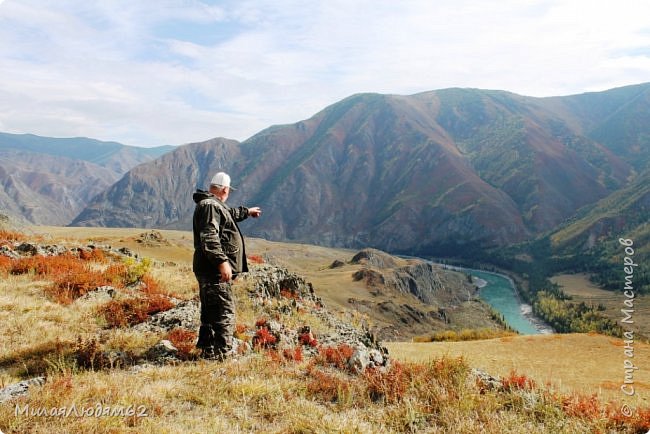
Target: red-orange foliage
{"x": 72, "y": 276}
{"x": 260, "y": 323}
{"x": 184, "y": 340}
{"x": 10, "y": 237}
{"x": 586, "y": 407}
{"x": 89, "y": 354}
{"x": 5, "y": 265}
{"x": 642, "y": 420}
{"x": 637, "y": 422}
{"x": 326, "y": 386}
{"x": 131, "y": 311}
{"x": 255, "y": 259}
{"x": 264, "y": 339}
{"x": 117, "y": 274}
{"x": 61, "y": 386}
{"x": 335, "y": 356}
{"x": 517, "y": 382}
{"x": 240, "y": 332}
{"x": 94, "y": 255}
{"x": 150, "y": 285}
{"x": 308, "y": 339}
{"x": 419, "y": 379}
{"x": 294, "y": 354}
{"x": 289, "y": 293}
{"x": 274, "y": 356}
{"x": 389, "y": 386}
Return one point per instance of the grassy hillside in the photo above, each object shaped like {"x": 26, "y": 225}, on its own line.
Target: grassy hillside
{"x": 598, "y": 357}
{"x": 82, "y": 342}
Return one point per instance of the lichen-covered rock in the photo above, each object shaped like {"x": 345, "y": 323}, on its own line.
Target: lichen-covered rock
{"x": 163, "y": 352}
{"x": 101, "y": 293}
{"x": 19, "y": 389}
{"x": 185, "y": 314}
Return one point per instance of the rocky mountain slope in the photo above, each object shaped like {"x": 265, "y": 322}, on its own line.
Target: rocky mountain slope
{"x": 433, "y": 173}
{"x": 49, "y": 181}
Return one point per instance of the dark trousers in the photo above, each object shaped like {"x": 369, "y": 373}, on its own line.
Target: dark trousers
{"x": 217, "y": 316}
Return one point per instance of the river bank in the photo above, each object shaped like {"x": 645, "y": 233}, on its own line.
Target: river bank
{"x": 500, "y": 292}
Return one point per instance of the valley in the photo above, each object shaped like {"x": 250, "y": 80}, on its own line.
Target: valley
{"x": 82, "y": 354}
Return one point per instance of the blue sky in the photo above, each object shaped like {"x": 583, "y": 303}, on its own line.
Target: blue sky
{"x": 161, "y": 72}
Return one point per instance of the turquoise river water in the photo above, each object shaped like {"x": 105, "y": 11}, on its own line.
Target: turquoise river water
{"x": 500, "y": 293}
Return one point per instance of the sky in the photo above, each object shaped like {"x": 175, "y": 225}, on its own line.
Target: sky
{"x": 170, "y": 72}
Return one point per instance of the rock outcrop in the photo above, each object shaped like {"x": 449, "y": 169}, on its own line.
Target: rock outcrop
{"x": 418, "y": 278}
{"x": 19, "y": 389}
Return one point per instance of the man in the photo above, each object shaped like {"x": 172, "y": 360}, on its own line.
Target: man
{"x": 219, "y": 256}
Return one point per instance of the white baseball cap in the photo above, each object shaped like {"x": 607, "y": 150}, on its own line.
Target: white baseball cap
{"x": 221, "y": 179}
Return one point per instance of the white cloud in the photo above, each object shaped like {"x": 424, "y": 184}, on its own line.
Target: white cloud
{"x": 175, "y": 71}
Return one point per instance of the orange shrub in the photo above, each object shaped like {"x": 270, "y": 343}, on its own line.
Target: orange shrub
{"x": 389, "y": 386}
{"x": 71, "y": 276}
{"x": 335, "y": 356}
{"x": 10, "y": 237}
{"x": 240, "y": 332}
{"x": 326, "y": 386}
{"x": 71, "y": 284}
{"x": 5, "y": 265}
{"x": 264, "y": 339}
{"x": 117, "y": 274}
{"x": 131, "y": 311}
{"x": 642, "y": 420}
{"x": 255, "y": 259}
{"x": 274, "y": 356}
{"x": 94, "y": 255}
{"x": 89, "y": 354}
{"x": 184, "y": 340}
{"x": 307, "y": 338}
{"x": 151, "y": 285}
{"x": 61, "y": 386}
{"x": 294, "y": 354}
{"x": 517, "y": 382}
{"x": 582, "y": 406}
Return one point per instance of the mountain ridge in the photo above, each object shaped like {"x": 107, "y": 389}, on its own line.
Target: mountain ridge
{"x": 420, "y": 173}
{"x": 51, "y": 180}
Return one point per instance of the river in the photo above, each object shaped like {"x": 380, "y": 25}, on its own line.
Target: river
{"x": 499, "y": 292}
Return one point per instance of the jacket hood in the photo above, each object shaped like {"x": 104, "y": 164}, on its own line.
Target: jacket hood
{"x": 200, "y": 195}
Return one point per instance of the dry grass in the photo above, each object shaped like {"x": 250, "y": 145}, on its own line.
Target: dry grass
{"x": 258, "y": 394}
{"x": 428, "y": 390}
{"x": 584, "y": 363}
{"x": 32, "y": 325}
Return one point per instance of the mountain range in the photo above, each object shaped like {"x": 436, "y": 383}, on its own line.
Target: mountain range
{"x": 432, "y": 173}
{"x": 51, "y": 180}
{"x": 438, "y": 173}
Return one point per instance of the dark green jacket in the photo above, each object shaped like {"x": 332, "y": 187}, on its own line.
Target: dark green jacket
{"x": 217, "y": 237}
